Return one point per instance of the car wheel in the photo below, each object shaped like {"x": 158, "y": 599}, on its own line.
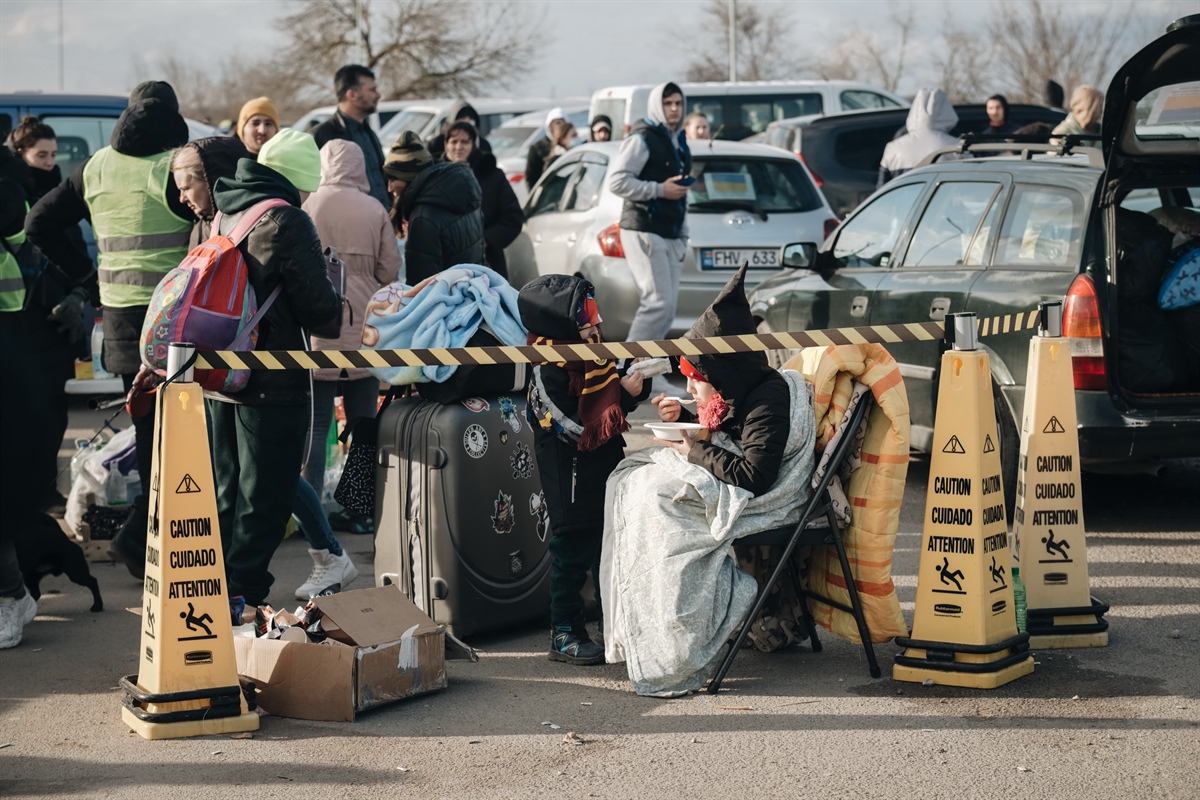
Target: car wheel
{"x": 1010, "y": 449}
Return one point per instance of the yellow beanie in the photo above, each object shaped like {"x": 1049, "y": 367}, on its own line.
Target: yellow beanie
{"x": 259, "y": 105}
{"x": 293, "y": 155}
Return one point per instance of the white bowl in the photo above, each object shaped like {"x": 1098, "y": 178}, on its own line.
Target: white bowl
{"x": 672, "y": 431}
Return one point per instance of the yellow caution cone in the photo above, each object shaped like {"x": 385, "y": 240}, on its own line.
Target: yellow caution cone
{"x": 1049, "y": 542}
{"x": 187, "y": 682}
{"x": 964, "y": 627}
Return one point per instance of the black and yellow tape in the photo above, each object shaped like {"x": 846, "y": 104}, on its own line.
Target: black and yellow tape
{"x": 460, "y": 356}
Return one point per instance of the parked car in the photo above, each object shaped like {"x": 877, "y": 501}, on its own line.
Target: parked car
{"x": 843, "y": 151}
{"x": 511, "y": 141}
{"x": 747, "y": 201}
{"x": 425, "y": 117}
{"x": 997, "y": 234}
{"x": 382, "y": 116}
{"x": 743, "y": 108}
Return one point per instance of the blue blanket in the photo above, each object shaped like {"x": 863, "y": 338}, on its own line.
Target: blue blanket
{"x": 442, "y": 311}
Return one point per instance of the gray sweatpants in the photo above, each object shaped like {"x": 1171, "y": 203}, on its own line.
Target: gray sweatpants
{"x": 655, "y": 264}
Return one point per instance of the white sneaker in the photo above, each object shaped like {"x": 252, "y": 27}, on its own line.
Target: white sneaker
{"x": 14, "y": 616}
{"x": 327, "y": 569}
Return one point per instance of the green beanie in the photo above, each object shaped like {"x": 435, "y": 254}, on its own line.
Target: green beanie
{"x": 293, "y": 155}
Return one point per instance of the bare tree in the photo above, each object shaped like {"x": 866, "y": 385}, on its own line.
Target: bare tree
{"x": 868, "y": 56}
{"x": 965, "y": 61}
{"x": 762, "y": 40}
{"x": 417, "y": 48}
{"x": 1036, "y": 42}
{"x": 218, "y": 96}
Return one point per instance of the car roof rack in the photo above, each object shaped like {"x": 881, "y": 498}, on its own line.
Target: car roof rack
{"x": 1026, "y": 146}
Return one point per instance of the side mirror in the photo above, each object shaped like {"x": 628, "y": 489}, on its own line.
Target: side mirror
{"x": 800, "y": 255}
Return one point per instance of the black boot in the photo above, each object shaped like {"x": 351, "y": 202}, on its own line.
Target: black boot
{"x": 570, "y": 643}
{"x": 129, "y": 545}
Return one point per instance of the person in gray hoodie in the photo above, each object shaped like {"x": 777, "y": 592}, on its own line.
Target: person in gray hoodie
{"x": 654, "y": 158}
{"x": 930, "y": 119}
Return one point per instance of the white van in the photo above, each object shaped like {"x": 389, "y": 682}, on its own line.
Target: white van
{"x": 744, "y": 108}
{"x": 383, "y": 114}
{"x": 425, "y": 117}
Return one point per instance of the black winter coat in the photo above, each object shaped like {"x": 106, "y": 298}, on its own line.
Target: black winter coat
{"x": 282, "y": 249}
{"x": 445, "y": 225}
{"x": 502, "y": 215}
{"x": 537, "y": 159}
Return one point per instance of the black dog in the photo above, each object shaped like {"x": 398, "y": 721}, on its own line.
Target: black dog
{"x": 43, "y": 549}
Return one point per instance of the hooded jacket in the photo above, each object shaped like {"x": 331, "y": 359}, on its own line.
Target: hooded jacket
{"x": 460, "y": 110}
{"x": 282, "y": 249}
{"x": 219, "y": 156}
{"x": 350, "y": 220}
{"x": 502, "y": 214}
{"x": 572, "y": 480}
{"x": 445, "y": 226}
{"x": 338, "y": 126}
{"x": 758, "y": 397}
{"x": 150, "y": 125}
{"x": 1087, "y": 107}
{"x": 652, "y": 153}
{"x": 930, "y": 119}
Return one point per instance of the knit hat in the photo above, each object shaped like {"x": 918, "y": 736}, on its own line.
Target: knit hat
{"x": 293, "y": 155}
{"x": 259, "y": 105}
{"x": 406, "y": 158}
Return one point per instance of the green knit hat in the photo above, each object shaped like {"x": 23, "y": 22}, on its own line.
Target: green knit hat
{"x": 293, "y": 155}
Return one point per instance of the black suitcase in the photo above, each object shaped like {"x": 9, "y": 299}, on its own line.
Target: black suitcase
{"x": 462, "y": 524}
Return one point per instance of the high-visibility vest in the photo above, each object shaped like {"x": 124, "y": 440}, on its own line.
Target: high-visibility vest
{"x": 138, "y": 238}
{"x": 12, "y": 285}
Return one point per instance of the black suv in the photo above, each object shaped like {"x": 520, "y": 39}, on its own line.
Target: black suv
{"x": 998, "y": 233}
{"x": 843, "y": 151}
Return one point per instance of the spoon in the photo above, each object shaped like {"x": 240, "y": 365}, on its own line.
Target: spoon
{"x": 681, "y": 400}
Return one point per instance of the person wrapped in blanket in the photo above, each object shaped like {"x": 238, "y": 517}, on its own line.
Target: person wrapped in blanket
{"x": 577, "y": 410}
{"x": 743, "y": 396}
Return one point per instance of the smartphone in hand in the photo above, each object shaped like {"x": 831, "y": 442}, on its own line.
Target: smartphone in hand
{"x": 687, "y": 180}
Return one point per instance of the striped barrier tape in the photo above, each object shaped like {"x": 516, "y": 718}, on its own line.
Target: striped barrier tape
{"x": 530, "y": 354}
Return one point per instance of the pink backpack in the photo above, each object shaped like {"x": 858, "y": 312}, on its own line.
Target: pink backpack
{"x": 208, "y": 301}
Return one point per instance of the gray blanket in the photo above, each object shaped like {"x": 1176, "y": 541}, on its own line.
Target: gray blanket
{"x": 672, "y": 592}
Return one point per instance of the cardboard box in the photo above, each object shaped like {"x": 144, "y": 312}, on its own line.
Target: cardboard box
{"x": 381, "y": 649}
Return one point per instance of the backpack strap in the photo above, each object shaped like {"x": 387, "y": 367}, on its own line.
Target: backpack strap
{"x": 243, "y": 341}
{"x": 252, "y": 217}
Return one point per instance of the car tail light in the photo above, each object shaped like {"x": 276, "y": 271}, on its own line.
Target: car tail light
{"x": 1081, "y": 326}
{"x": 610, "y": 241}
{"x": 831, "y": 225}
{"x": 516, "y": 177}
{"x": 815, "y": 176}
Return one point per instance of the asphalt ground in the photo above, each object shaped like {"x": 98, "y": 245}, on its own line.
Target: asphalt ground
{"x": 1119, "y": 721}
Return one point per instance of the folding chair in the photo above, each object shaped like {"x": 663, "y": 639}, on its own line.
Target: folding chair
{"x": 818, "y": 525}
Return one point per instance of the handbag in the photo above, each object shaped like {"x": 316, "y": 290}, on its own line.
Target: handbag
{"x": 356, "y": 489}
{"x": 45, "y": 283}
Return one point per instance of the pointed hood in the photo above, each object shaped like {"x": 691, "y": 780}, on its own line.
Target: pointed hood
{"x": 732, "y": 374}
{"x": 931, "y": 110}
{"x": 460, "y": 110}
{"x": 343, "y": 164}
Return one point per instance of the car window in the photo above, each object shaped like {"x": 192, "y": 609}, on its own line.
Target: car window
{"x": 739, "y": 116}
{"x": 863, "y": 149}
{"x": 79, "y": 137}
{"x": 861, "y": 98}
{"x": 1043, "y": 227}
{"x": 585, "y": 192}
{"x": 758, "y": 184}
{"x": 869, "y": 237}
{"x": 550, "y": 190}
{"x": 509, "y": 141}
{"x": 408, "y": 120}
{"x": 944, "y": 237}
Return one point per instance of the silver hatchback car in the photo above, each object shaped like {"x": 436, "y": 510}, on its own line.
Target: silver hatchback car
{"x": 747, "y": 202}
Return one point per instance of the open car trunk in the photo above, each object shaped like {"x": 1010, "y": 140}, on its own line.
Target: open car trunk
{"x": 1151, "y": 130}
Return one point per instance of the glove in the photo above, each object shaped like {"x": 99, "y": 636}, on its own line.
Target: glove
{"x": 68, "y": 315}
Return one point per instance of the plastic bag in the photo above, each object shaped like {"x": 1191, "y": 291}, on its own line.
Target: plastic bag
{"x": 108, "y": 476}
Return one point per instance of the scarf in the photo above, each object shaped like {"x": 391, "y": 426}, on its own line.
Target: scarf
{"x": 598, "y": 389}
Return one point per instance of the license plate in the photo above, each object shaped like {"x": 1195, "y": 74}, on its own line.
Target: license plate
{"x": 714, "y": 258}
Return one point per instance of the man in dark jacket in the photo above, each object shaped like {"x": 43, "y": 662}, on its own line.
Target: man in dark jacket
{"x": 127, "y": 193}
{"x": 998, "y": 121}
{"x": 502, "y": 215}
{"x": 259, "y": 434}
{"x": 440, "y": 208}
{"x": 647, "y": 171}
{"x": 357, "y": 97}
{"x": 462, "y": 111}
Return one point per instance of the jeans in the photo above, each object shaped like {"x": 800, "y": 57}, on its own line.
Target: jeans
{"x": 361, "y": 397}
{"x": 257, "y": 452}
{"x": 655, "y": 264}
{"x": 311, "y": 515}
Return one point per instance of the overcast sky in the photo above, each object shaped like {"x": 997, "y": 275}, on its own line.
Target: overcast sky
{"x": 585, "y": 45}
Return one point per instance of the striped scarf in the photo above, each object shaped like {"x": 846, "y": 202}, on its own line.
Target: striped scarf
{"x": 598, "y": 388}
